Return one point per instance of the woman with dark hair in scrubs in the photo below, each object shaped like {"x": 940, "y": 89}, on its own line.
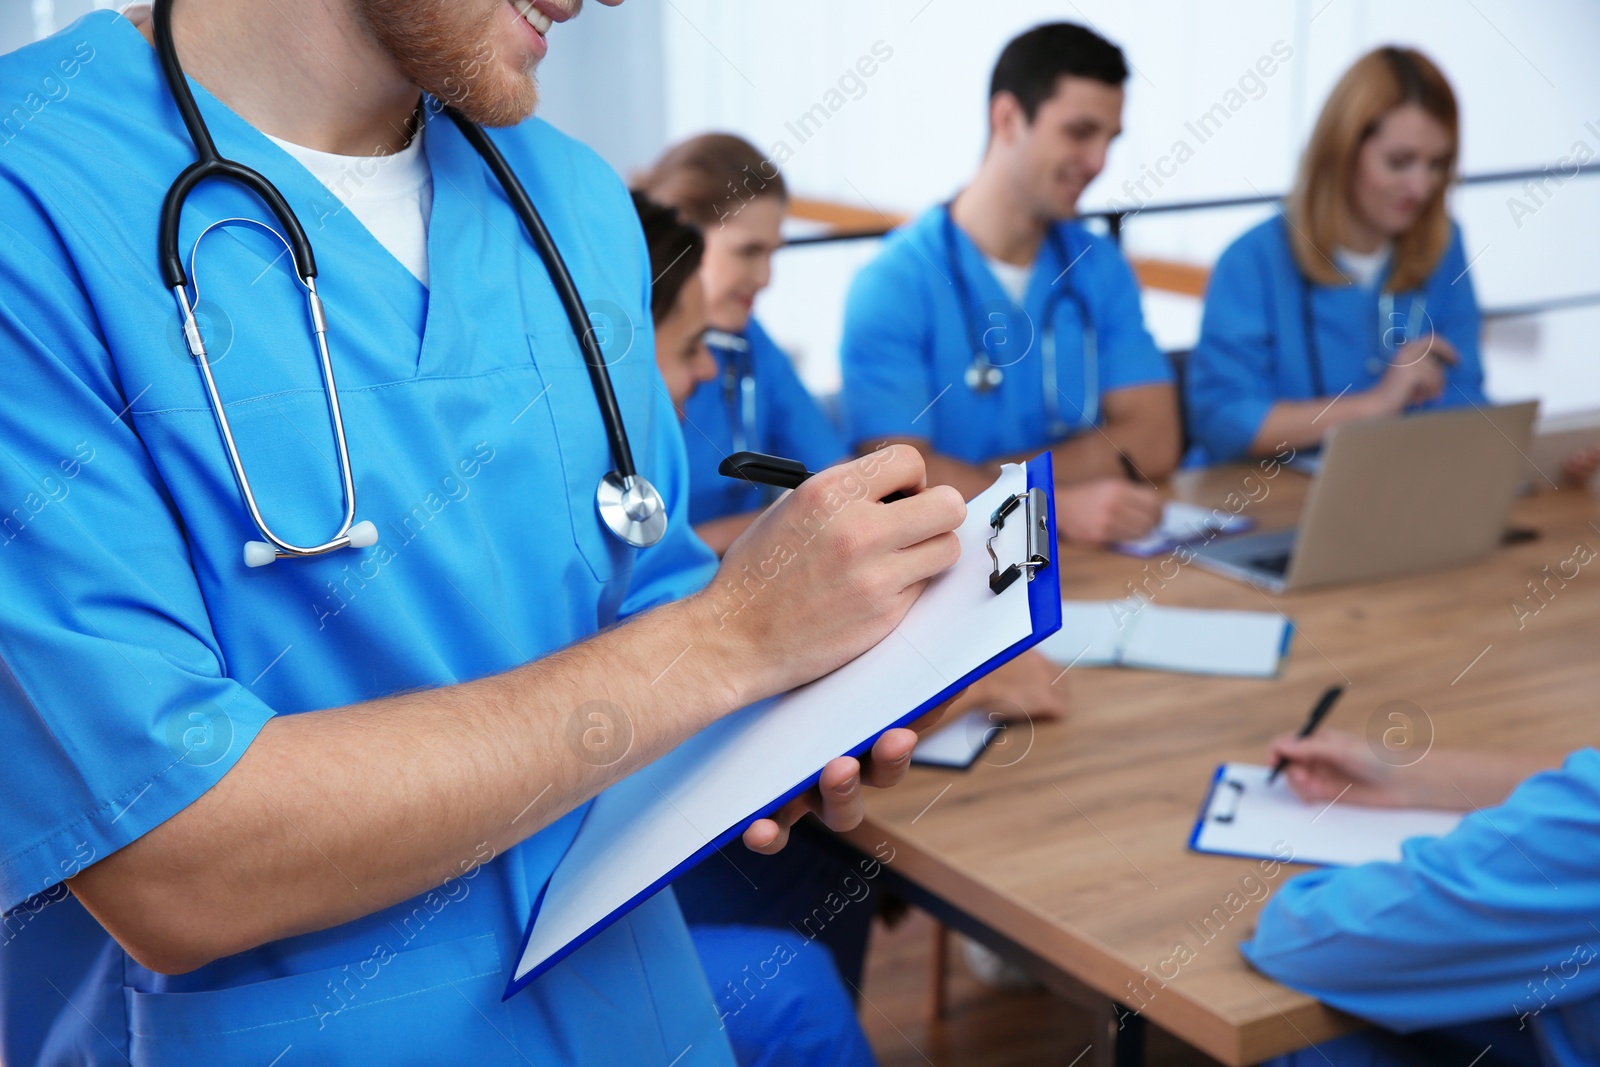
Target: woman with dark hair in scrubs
{"x": 738, "y": 199}
{"x": 780, "y": 997}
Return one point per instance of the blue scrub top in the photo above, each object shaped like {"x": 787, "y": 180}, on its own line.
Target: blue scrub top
{"x": 1252, "y": 350}
{"x": 1493, "y": 920}
{"x": 788, "y": 423}
{"x": 908, "y": 341}
{"x": 141, "y": 656}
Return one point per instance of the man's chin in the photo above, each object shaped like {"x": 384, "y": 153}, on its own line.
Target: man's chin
{"x": 1066, "y": 206}
{"x": 504, "y": 101}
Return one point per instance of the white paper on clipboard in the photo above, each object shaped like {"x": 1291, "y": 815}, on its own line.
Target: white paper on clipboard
{"x": 1244, "y": 816}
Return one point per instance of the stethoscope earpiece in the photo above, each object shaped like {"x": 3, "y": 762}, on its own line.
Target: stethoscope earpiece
{"x": 360, "y": 535}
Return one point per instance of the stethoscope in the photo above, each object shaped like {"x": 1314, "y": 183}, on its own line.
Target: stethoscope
{"x": 1386, "y": 344}
{"x": 739, "y": 399}
{"x": 983, "y": 376}
{"x": 738, "y": 386}
{"x": 628, "y": 504}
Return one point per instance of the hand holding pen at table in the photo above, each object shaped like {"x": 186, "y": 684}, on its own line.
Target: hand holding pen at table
{"x": 1334, "y": 764}
{"x": 1417, "y": 372}
{"x": 1337, "y": 764}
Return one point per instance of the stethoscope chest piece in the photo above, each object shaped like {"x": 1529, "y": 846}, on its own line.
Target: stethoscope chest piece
{"x": 632, "y": 509}
{"x": 982, "y": 376}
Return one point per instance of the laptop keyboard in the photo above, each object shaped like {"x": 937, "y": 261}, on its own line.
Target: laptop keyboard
{"x": 1273, "y": 563}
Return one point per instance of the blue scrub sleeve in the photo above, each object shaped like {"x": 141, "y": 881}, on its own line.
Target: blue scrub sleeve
{"x": 1228, "y": 390}
{"x": 886, "y": 354}
{"x": 1452, "y": 310}
{"x": 1128, "y": 354}
{"x": 799, "y": 428}
{"x": 115, "y": 709}
{"x": 1494, "y": 919}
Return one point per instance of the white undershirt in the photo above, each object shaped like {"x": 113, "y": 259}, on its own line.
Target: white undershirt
{"x": 1013, "y": 279}
{"x": 1363, "y": 268}
{"x": 392, "y": 196}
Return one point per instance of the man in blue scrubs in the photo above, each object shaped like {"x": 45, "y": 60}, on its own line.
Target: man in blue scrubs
{"x": 995, "y": 326}
{"x": 302, "y": 813}
{"x": 1476, "y": 947}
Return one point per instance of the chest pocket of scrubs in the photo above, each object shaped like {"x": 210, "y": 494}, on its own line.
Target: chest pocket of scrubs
{"x": 438, "y": 1004}
{"x": 287, "y": 445}
{"x": 571, "y": 412}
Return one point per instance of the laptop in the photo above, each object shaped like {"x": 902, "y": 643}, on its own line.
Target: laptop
{"x": 1393, "y": 497}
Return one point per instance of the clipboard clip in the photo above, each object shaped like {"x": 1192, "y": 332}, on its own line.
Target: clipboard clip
{"x": 1035, "y": 513}
{"x": 1237, "y": 794}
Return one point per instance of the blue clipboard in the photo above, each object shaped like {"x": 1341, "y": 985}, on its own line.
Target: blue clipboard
{"x": 1044, "y": 606}
{"x": 1205, "y": 812}
{"x": 1245, "y": 817}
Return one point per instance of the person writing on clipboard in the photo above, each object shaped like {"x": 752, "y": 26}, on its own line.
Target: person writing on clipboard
{"x": 1481, "y": 939}
{"x": 307, "y": 688}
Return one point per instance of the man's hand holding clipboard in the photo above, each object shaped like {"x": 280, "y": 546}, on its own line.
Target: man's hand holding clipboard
{"x": 918, "y": 521}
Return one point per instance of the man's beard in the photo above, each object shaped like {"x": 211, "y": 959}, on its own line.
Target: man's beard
{"x": 448, "y": 53}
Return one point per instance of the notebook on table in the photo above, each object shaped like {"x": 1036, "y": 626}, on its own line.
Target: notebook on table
{"x": 1136, "y": 633}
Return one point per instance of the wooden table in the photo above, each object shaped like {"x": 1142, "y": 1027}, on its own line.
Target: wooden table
{"x": 1068, "y": 848}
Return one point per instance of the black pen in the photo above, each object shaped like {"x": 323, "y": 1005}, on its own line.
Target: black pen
{"x": 773, "y": 470}
{"x": 1318, "y": 713}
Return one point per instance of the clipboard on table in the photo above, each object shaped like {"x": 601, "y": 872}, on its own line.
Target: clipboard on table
{"x": 1244, "y": 816}
{"x": 1002, "y": 597}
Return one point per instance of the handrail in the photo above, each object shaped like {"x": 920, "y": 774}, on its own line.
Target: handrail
{"x": 1539, "y": 307}
{"x": 1115, "y": 217}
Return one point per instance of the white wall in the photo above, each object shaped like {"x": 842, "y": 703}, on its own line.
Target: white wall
{"x": 22, "y": 21}
{"x": 1524, "y": 72}
{"x": 605, "y": 79}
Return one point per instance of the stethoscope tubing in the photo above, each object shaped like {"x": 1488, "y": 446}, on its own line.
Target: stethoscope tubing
{"x": 628, "y": 504}
{"x": 1308, "y": 329}
{"x": 984, "y": 376}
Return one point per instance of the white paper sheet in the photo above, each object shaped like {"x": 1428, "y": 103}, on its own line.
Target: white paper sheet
{"x": 643, "y": 827}
{"x": 1245, "y": 644}
{"x": 1271, "y": 822}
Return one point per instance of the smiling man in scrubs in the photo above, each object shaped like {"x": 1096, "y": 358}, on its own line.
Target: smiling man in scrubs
{"x": 301, "y": 814}
{"x": 996, "y": 325}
